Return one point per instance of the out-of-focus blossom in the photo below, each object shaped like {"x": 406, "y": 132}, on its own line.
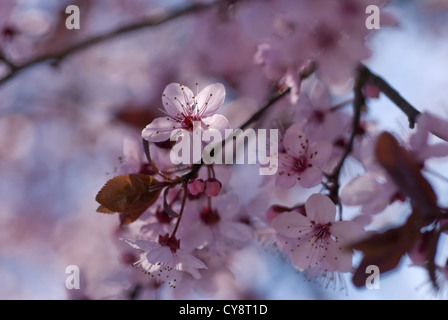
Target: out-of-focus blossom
{"x": 316, "y": 240}
{"x": 302, "y": 160}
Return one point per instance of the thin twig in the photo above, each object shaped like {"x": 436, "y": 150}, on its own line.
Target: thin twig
{"x": 393, "y": 95}
{"x": 153, "y": 21}
{"x": 358, "y": 103}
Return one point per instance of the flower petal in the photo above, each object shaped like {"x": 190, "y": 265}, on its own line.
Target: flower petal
{"x": 218, "y": 122}
{"x": 320, "y": 209}
{"x": 347, "y": 231}
{"x": 321, "y": 151}
{"x": 188, "y": 260}
{"x": 160, "y": 254}
{"x": 210, "y": 99}
{"x": 311, "y": 177}
{"x": 159, "y": 129}
{"x": 142, "y": 244}
{"x": 291, "y": 224}
{"x": 295, "y": 141}
{"x": 236, "y": 231}
{"x": 437, "y": 150}
{"x": 360, "y": 190}
{"x": 177, "y": 99}
{"x": 284, "y": 181}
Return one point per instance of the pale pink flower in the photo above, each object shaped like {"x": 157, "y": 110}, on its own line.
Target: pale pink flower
{"x": 316, "y": 240}
{"x": 165, "y": 261}
{"x": 302, "y": 160}
{"x": 182, "y": 108}
{"x": 372, "y": 191}
{"x": 428, "y": 123}
{"x": 216, "y": 226}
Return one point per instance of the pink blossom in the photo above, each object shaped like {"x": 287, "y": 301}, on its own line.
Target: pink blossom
{"x": 372, "y": 191}
{"x": 165, "y": 261}
{"x": 302, "y": 160}
{"x": 317, "y": 240}
{"x": 216, "y": 226}
{"x": 182, "y": 108}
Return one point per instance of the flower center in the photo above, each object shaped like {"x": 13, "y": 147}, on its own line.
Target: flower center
{"x": 301, "y": 164}
{"x": 187, "y": 122}
{"x": 318, "y": 116}
{"x": 170, "y": 242}
{"x": 322, "y": 231}
{"x": 209, "y": 216}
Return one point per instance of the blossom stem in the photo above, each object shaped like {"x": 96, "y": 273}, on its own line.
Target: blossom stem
{"x": 184, "y": 199}
{"x": 152, "y": 163}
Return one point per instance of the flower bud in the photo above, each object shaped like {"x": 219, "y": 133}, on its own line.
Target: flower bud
{"x": 212, "y": 187}
{"x": 195, "y": 186}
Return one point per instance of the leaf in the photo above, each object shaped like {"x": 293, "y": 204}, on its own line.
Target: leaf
{"x": 404, "y": 169}
{"x": 103, "y": 209}
{"x": 386, "y": 249}
{"x": 130, "y": 195}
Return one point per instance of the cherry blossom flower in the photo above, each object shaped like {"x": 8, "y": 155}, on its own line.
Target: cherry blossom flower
{"x": 372, "y": 191}
{"x": 302, "y": 160}
{"x": 165, "y": 261}
{"x": 216, "y": 226}
{"x": 182, "y": 108}
{"x": 316, "y": 240}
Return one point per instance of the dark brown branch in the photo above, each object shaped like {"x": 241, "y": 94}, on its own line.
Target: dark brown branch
{"x": 358, "y": 103}
{"x": 304, "y": 73}
{"x": 57, "y": 57}
{"x": 393, "y": 95}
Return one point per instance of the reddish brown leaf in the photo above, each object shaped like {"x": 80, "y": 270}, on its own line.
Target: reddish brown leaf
{"x": 385, "y": 250}
{"x": 130, "y": 195}
{"x": 404, "y": 169}
{"x": 103, "y": 209}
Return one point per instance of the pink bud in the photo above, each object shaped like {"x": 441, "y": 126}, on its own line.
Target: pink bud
{"x": 371, "y": 91}
{"x": 212, "y": 187}
{"x": 196, "y": 186}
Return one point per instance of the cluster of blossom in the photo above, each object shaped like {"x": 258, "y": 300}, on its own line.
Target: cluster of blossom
{"x": 291, "y": 65}
{"x": 188, "y": 234}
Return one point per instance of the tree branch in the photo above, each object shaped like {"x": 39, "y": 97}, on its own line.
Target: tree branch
{"x": 358, "y": 103}
{"x": 393, "y": 95}
{"x": 153, "y": 21}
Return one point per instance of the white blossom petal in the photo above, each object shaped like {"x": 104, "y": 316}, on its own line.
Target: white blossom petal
{"x": 159, "y": 129}
{"x": 210, "y": 99}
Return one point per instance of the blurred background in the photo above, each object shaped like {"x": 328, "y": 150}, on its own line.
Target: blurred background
{"x": 62, "y": 127}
